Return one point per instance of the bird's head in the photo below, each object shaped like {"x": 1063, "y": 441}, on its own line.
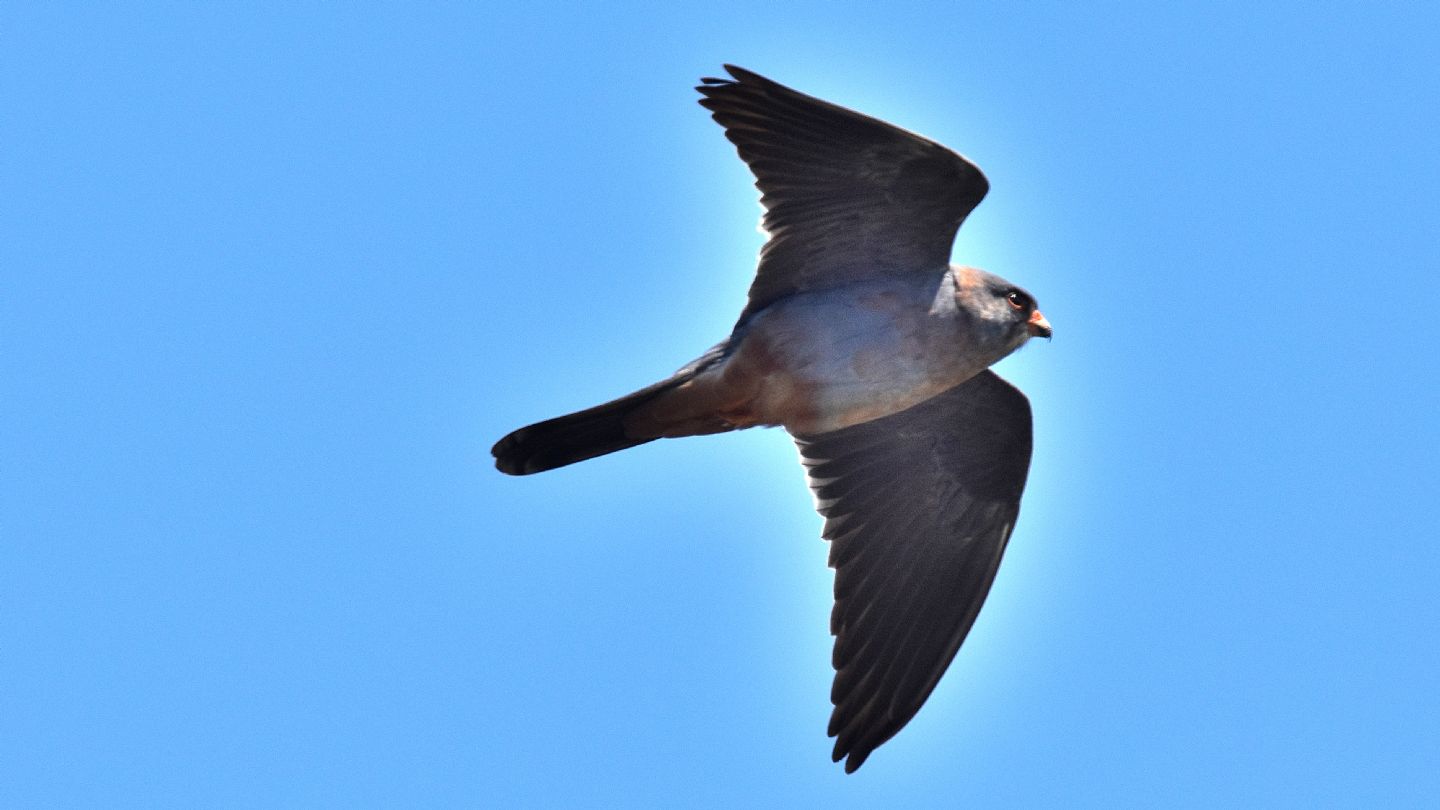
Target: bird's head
{"x": 1004, "y": 313}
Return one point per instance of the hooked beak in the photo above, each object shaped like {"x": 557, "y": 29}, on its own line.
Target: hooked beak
{"x": 1037, "y": 326}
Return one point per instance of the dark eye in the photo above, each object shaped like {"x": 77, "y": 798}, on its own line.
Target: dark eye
{"x": 1018, "y": 300}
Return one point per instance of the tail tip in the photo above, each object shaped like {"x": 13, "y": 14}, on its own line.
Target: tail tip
{"x": 509, "y": 467}
{"x": 506, "y": 459}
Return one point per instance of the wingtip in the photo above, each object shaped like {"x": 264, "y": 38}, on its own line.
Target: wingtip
{"x": 854, "y": 757}
{"x": 738, "y": 75}
{"x": 855, "y": 760}
{"x": 711, "y": 82}
{"x": 743, "y": 75}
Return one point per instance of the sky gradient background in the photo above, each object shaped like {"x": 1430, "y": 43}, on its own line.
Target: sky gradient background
{"x": 272, "y": 282}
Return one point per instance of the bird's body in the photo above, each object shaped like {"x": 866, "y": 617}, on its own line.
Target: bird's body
{"x": 819, "y": 361}
{"x": 873, "y": 352}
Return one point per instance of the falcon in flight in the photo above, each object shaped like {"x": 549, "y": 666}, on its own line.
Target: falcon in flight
{"x": 873, "y": 352}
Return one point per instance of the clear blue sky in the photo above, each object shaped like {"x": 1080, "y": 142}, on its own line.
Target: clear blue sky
{"x": 273, "y": 280}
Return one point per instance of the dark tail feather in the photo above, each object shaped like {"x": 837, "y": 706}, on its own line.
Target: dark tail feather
{"x": 575, "y": 437}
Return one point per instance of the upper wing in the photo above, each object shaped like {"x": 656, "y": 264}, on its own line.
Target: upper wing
{"x": 846, "y": 196}
{"x": 918, "y": 507}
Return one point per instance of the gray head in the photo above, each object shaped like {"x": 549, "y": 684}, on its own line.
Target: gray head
{"x": 1006, "y": 314}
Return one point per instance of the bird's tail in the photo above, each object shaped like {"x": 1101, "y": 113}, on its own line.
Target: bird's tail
{"x": 602, "y": 429}
{"x": 574, "y": 437}
{"x": 582, "y": 435}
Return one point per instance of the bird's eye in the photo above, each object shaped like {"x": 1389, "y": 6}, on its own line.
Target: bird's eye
{"x": 1017, "y": 300}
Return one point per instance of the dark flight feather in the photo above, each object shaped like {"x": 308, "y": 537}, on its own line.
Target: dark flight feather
{"x": 847, "y": 197}
{"x": 915, "y": 545}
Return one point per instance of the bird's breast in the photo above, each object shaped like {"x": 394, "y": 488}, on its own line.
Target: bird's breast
{"x": 823, "y": 361}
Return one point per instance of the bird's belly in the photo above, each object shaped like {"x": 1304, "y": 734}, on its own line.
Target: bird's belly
{"x": 822, "y": 397}
{"x": 816, "y": 366}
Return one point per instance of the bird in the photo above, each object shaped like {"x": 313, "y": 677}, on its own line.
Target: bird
{"x": 873, "y": 351}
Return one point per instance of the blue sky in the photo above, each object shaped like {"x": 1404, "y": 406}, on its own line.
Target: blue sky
{"x": 275, "y": 278}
